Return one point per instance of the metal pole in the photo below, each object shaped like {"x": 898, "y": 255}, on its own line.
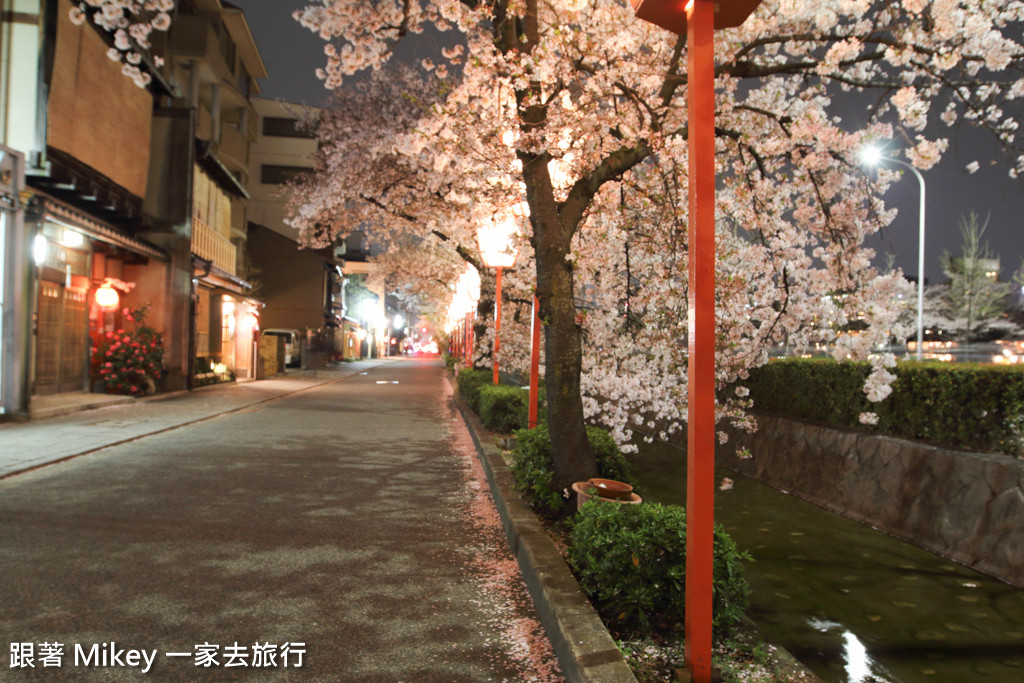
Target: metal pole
{"x": 920, "y": 268}
{"x": 497, "y": 322}
{"x": 534, "y": 364}
{"x": 920, "y": 256}
{"x": 700, "y": 452}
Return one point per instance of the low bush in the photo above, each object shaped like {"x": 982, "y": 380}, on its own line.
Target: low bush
{"x": 534, "y": 469}
{"x": 470, "y": 381}
{"x": 963, "y": 405}
{"x": 504, "y": 408}
{"x": 631, "y": 562}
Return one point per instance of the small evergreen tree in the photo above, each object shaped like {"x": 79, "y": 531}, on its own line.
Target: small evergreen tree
{"x": 973, "y": 297}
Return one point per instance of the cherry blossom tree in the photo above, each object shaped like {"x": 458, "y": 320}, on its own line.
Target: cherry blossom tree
{"x": 580, "y": 108}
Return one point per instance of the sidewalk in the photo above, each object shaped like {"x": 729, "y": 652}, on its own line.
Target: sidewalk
{"x": 73, "y": 425}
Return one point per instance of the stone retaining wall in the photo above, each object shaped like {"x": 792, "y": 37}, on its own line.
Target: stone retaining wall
{"x": 966, "y": 506}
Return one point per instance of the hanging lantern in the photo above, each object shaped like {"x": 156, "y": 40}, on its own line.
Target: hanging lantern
{"x": 107, "y": 297}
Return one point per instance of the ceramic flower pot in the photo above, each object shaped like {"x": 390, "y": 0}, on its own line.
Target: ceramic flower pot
{"x": 586, "y": 490}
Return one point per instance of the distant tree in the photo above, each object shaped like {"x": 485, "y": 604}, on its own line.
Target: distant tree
{"x": 973, "y": 297}
{"x": 356, "y": 293}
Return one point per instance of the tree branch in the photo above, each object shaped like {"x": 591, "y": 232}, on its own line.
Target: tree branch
{"x": 613, "y": 166}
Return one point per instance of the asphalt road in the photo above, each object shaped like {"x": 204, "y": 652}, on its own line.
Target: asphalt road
{"x": 347, "y": 525}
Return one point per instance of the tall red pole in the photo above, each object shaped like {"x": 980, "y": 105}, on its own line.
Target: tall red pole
{"x": 700, "y": 452}
{"x": 534, "y": 364}
{"x": 469, "y": 339}
{"x": 497, "y": 323}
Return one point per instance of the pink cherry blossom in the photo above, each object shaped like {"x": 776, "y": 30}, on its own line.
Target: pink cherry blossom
{"x": 582, "y": 116}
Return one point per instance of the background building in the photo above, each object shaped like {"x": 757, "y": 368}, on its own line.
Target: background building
{"x": 211, "y": 51}
{"x": 304, "y": 289}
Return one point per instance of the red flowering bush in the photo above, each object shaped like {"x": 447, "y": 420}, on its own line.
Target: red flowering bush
{"x": 130, "y": 362}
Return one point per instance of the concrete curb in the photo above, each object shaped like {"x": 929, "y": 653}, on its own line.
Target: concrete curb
{"x": 585, "y": 649}
{"x": 86, "y": 402}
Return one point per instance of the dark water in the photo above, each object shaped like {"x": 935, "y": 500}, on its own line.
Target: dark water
{"x": 853, "y": 604}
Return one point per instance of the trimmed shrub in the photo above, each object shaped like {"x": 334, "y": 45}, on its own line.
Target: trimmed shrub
{"x": 469, "y": 381}
{"x": 963, "y": 405}
{"x": 503, "y": 408}
{"x": 534, "y": 469}
{"x": 631, "y": 561}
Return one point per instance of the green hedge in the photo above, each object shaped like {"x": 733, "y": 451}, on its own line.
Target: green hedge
{"x": 631, "y": 561}
{"x": 506, "y": 408}
{"x": 470, "y": 381}
{"x": 534, "y": 469}
{"x": 963, "y": 405}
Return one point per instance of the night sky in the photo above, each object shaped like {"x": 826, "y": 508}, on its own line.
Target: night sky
{"x": 292, "y": 53}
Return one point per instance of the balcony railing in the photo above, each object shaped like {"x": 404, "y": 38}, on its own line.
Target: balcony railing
{"x": 212, "y": 246}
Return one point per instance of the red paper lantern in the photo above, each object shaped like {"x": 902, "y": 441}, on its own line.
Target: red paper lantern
{"x": 107, "y": 297}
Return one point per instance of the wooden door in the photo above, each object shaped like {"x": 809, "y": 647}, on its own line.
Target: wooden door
{"x": 62, "y": 349}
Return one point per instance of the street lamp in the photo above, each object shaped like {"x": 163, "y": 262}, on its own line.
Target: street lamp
{"x": 367, "y": 312}
{"x": 872, "y": 156}
{"x": 463, "y": 306}
{"x": 698, "y": 19}
{"x": 498, "y": 251}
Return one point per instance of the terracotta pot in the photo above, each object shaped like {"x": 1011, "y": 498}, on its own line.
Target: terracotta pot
{"x": 609, "y": 488}
{"x": 581, "y": 488}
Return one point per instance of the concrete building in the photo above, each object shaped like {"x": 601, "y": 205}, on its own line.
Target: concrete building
{"x": 304, "y": 289}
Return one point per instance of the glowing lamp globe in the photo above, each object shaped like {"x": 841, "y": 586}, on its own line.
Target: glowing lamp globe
{"x": 671, "y": 14}
{"x": 496, "y": 244}
{"x": 107, "y": 297}
{"x": 871, "y": 155}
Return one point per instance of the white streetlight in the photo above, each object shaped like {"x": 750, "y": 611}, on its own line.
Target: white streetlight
{"x": 872, "y": 156}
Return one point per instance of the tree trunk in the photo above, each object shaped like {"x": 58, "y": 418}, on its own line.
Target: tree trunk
{"x": 573, "y": 457}
{"x": 570, "y": 449}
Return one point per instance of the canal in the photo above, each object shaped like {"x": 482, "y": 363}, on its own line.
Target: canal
{"x": 852, "y": 603}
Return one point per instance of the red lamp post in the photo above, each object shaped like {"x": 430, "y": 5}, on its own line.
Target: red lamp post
{"x": 467, "y": 345}
{"x": 534, "y": 364}
{"x": 698, "y": 19}
{"x": 498, "y": 251}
